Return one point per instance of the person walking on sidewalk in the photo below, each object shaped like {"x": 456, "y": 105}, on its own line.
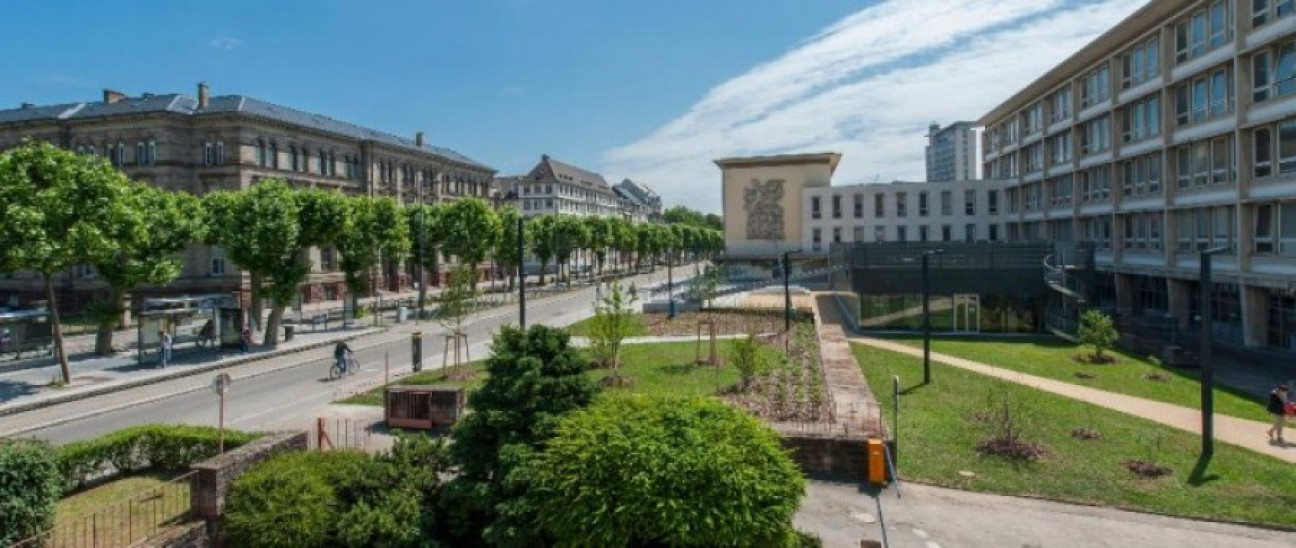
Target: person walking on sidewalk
{"x": 1278, "y": 408}
{"x": 167, "y": 342}
{"x": 245, "y": 339}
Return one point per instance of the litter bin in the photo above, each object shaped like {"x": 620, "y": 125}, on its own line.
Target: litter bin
{"x": 402, "y": 313}
{"x": 288, "y": 332}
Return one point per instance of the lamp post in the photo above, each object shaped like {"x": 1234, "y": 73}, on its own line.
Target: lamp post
{"x": 1207, "y": 374}
{"x": 787, "y": 290}
{"x": 521, "y": 273}
{"x": 670, "y": 286}
{"x": 926, "y": 312}
{"x": 422, "y": 276}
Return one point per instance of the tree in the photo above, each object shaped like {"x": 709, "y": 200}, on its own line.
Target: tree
{"x": 470, "y": 230}
{"x": 31, "y": 488}
{"x": 1097, "y": 331}
{"x": 155, "y": 226}
{"x": 598, "y": 232}
{"x": 424, "y": 222}
{"x": 614, "y": 320}
{"x": 569, "y": 234}
{"x": 507, "y": 254}
{"x": 456, "y": 303}
{"x": 541, "y": 232}
{"x": 534, "y": 377}
{"x": 374, "y": 228}
{"x": 704, "y": 286}
{"x": 746, "y": 357}
{"x": 58, "y": 210}
{"x": 624, "y": 239}
{"x": 664, "y": 472}
{"x": 685, "y": 216}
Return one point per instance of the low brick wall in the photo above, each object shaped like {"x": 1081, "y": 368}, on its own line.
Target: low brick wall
{"x": 829, "y": 457}
{"x": 213, "y": 477}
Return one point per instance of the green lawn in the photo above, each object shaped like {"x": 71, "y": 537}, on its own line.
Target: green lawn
{"x": 658, "y": 368}
{"x": 121, "y": 512}
{"x": 938, "y": 435}
{"x": 435, "y": 378}
{"x": 1051, "y": 357}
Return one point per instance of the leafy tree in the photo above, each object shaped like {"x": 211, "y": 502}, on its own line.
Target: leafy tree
{"x": 645, "y": 242}
{"x": 535, "y": 376}
{"x": 685, "y": 216}
{"x": 507, "y": 254}
{"x": 30, "y": 489}
{"x": 598, "y": 232}
{"x": 704, "y": 285}
{"x": 541, "y": 232}
{"x": 624, "y": 239}
{"x": 374, "y": 228}
{"x": 58, "y": 209}
{"x": 745, "y": 355}
{"x": 569, "y": 233}
{"x": 456, "y": 301}
{"x": 614, "y": 320}
{"x": 470, "y": 230}
{"x": 424, "y": 221}
{"x": 664, "y": 472}
{"x": 156, "y": 225}
{"x": 1097, "y": 331}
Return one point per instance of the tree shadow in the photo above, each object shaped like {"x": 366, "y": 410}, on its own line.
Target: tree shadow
{"x": 912, "y": 389}
{"x": 1199, "y": 475}
{"x": 11, "y": 389}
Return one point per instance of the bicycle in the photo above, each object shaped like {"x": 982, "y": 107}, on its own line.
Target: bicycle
{"x": 337, "y": 370}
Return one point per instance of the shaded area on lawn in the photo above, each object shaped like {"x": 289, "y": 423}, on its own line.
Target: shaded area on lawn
{"x": 939, "y": 432}
{"x": 1053, "y": 358}
{"x": 728, "y": 322}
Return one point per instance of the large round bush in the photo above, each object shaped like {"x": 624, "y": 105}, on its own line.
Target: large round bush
{"x": 637, "y": 470}
{"x": 29, "y": 488}
{"x": 291, "y": 499}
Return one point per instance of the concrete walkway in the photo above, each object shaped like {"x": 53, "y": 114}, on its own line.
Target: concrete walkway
{"x": 1244, "y": 433}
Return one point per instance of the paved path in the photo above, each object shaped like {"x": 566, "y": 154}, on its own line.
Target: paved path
{"x": 1241, "y": 432}
{"x": 935, "y": 517}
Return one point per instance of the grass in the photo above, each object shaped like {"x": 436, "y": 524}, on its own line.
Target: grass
{"x": 435, "y": 378}
{"x": 1050, "y": 357}
{"x": 585, "y": 327}
{"x": 121, "y": 512}
{"x": 938, "y": 436}
{"x": 657, "y": 369}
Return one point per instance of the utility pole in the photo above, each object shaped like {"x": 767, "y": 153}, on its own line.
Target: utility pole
{"x": 1207, "y": 371}
{"x": 422, "y": 276}
{"x": 521, "y": 273}
{"x": 926, "y": 312}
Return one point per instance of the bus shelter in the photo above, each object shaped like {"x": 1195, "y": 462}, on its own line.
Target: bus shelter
{"x": 208, "y": 322}
{"x": 25, "y": 331}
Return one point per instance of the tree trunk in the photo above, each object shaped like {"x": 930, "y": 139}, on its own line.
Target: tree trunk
{"x": 104, "y": 332}
{"x": 254, "y": 306}
{"x": 271, "y": 340}
{"x": 57, "y": 329}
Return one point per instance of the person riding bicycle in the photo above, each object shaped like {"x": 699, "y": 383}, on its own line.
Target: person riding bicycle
{"x": 340, "y": 353}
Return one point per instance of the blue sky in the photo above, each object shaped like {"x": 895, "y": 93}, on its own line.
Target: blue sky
{"x": 647, "y": 90}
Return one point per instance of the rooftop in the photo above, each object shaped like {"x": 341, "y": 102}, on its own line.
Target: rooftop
{"x": 831, "y": 158}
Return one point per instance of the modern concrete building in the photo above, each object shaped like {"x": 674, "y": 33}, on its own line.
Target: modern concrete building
{"x": 763, "y": 200}
{"x": 204, "y": 143}
{"x": 952, "y": 152}
{"x": 554, "y": 187}
{"x": 1173, "y": 132}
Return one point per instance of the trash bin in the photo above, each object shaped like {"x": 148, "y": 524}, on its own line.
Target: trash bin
{"x": 288, "y": 332}
{"x": 402, "y": 313}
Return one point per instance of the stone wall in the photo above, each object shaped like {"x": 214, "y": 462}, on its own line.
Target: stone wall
{"x": 829, "y": 457}
{"x": 213, "y": 477}
{"x": 189, "y": 535}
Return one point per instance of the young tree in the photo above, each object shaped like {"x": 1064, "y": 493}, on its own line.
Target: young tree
{"x": 374, "y": 228}
{"x": 58, "y": 209}
{"x": 507, "y": 254}
{"x": 1097, "y": 331}
{"x": 745, "y": 355}
{"x": 614, "y": 320}
{"x": 704, "y": 285}
{"x": 541, "y": 233}
{"x": 456, "y": 300}
{"x": 155, "y": 227}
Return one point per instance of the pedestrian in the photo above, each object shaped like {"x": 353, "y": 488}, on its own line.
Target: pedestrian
{"x": 167, "y": 341}
{"x": 1278, "y": 408}
{"x": 245, "y": 339}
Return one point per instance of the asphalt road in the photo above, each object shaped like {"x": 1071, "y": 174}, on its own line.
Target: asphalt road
{"x": 293, "y": 397}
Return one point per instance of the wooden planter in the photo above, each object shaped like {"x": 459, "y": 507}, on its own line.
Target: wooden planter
{"x": 422, "y": 407}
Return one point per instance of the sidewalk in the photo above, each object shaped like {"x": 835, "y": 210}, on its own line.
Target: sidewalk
{"x": 1244, "y": 433}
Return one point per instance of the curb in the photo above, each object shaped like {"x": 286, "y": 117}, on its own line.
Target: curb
{"x": 97, "y": 391}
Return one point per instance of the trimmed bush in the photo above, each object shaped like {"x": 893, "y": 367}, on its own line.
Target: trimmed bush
{"x": 29, "y": 488}
{"x": 140, "y": 448}
{"x": 664, "y": 471}
{"x": 291, "y": 499}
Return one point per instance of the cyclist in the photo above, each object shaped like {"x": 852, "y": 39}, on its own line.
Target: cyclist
{"x": 340, "y": 353}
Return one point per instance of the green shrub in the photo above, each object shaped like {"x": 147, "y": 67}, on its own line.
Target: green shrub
{"x": 291, "y": 499}
{"x": 664, "y": 471}
{"x": 29, "y": 488}
{"x": 139, "y": 448}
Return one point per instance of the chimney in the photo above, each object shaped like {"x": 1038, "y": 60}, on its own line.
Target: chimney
{"x": 544, "y": 157}
{"x": 28, "y": 105}
{"x": 202, "y": 95}
{"x": 418, "y": 139}
{"x": 111, "y": 96}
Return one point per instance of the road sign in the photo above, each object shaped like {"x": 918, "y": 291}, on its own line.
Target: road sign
{"x": 221, "y": 383}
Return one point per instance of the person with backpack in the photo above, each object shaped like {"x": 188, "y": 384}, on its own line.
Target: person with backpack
{"x": 1278, "y": 408}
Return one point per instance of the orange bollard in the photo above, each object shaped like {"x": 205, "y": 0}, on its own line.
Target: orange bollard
{"x": 877, "y": 473}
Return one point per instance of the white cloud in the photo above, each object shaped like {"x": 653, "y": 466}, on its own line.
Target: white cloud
{"x": 866, "y": 86}
{"x": 225, "y": 43}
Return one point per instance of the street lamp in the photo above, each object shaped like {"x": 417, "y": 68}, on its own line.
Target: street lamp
{"x": 422, "y": 281}
{"x": 670, "y": 286}
{"x": 1207, "y": 374}
{"x": 787, "y": 291}
{"x": 521, "y": 272}
{"x": 926, "y": 312}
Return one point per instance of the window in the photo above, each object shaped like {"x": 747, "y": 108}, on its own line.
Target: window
{"x": 1096, "y": 136}
{"x": 1141, "y": 64}
{"x": 858, "y": 200}
{"x": 1141, "y": 119}
{"x": 816, "y": 236}
{"x": 922, "y": 204}
{"x": 217, "y": 263}
{"x": 858, "y": 234}
{"x": 994, "y": 233}
{"x": 1264, "y": 11}
{"x": 1061, "y": 191}
{"x": 209, "y": 153}
{"x": 292, "y": 153}
{"x": 902, "y": 234}
{"x": 1032, "y": 119}
{"x": 1208, "y": 162}
{"x": 946, "y": 233}
{"x": 274, "y": 155}
{"x": 1061, "y": 148}
{"x": 947, "y": 200}
{"x": 992, "y": 201}
{"x": 879, "y": 233}
{"x": 1275, "y": 228}
{"x": 814, "y": 207}
{"x": 141, "y": 157}
{"x": 969, "y": 202}
{"x": 1062, "y": 105}
{"x": 837, "y": 234}
{"x": 1096, "y": 88}
{"x": 1033, "y": 158}
{"x": 323, "y": 166}
{"x": 1263, "y": 148}
{"x": 901, "y": 206}
{"x": 969, "y": 232}
{"x": 879, "y": 210}
{"x": 836, "y": 206}
{"x": 1095, "y": 185}
{"x": 1203, "y": 31}
{"x": 922, "y": 233}
{"x": 1273, "y": 72}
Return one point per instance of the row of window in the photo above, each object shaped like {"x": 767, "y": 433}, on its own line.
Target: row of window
{"x": 883, "y": 233}
{"x": 145, "y": 152}
{"x": 902, "y": 204}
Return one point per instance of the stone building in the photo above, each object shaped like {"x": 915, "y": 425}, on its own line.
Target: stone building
{"x": 553, "y": 187}
{"x": 206, "y": 143}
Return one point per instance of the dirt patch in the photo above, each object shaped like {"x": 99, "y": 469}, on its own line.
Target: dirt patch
{"x": 617, "y": 381}
{"x": 1086, "y": 434}
{"x": 1147, "y": 470}
{"x": 726, "y": 323}
{"x": 1094, "y": 359}
{"x": 1084, "y": 375}
{"x": 1157, "y": 377}
{"x": 1015, "y": 450}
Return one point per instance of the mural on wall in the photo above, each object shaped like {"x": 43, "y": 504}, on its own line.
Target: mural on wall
{"x": 763, "y": 203}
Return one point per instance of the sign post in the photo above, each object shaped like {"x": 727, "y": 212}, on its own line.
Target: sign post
{"x": 220, "y": 385}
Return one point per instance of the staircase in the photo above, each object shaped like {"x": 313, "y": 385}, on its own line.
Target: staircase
{"x": 1063, "y": 313}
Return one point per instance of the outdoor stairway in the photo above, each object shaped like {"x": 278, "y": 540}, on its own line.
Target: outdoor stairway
{"x": 1060, "y": 277}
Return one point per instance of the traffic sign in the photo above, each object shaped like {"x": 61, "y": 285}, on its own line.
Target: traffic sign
{"x": 221, "y": 383}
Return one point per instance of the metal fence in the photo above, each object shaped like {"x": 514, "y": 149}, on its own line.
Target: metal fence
{"x": 130, "y": 521}
{"x": 327, "y": 434}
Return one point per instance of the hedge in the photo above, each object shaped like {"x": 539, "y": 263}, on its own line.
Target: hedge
{"x": 139, "y": 448}
{"x": 29, "y": 488}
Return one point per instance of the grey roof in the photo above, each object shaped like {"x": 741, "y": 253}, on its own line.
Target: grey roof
{"x": 188, "y": 106}
{"x": 635, "y": 186}
{"x": 577, "y": 174}
{"x": 627, "y": 195}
